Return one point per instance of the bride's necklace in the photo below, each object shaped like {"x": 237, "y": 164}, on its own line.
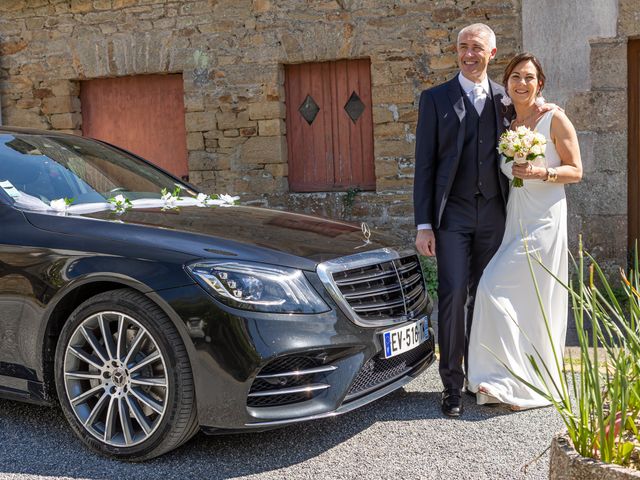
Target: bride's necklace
{"x": 526, "y": 120}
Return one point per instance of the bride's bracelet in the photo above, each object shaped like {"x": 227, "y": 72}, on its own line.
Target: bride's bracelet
{"x": 552, "y": 175}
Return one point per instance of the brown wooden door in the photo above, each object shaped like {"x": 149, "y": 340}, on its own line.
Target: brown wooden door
{"x": 634, "y": 141}
{"x": 143, "y": 114}
{"x": 329, "y": 126}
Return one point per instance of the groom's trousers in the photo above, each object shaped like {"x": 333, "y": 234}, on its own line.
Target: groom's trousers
{"x": 470, "y": 232}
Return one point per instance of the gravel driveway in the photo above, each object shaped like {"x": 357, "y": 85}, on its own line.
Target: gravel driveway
{"x": 401, "y": 436}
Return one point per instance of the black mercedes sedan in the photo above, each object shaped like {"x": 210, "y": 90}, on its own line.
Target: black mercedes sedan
{"x": 150, "y": 310}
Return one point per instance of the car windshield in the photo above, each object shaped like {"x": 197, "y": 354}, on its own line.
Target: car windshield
{"x": 51, "y": 167}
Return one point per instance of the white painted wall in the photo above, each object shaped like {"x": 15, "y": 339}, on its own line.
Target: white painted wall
{"x": 558, "y": 33}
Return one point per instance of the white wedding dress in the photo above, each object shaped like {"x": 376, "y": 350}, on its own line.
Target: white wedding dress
{"x": 507, "y": 320}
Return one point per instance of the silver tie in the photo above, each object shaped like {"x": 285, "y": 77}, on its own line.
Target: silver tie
{"x": 479, "y": 97}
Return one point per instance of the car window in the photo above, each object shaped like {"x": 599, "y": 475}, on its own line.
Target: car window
{"x": 54, "y": 167}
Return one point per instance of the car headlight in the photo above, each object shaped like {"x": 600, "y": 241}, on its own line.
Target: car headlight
{"x": 258, "y": 287}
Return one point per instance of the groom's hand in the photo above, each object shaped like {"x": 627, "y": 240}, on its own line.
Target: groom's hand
{"x": 550, "y": 106}
{"x": 426, "y": 242}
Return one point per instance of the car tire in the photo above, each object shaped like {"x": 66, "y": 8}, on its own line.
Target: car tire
{"x": 123, "y": 377}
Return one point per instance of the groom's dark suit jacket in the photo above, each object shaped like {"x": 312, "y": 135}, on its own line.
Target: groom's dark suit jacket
{"x": 440, "y": 137}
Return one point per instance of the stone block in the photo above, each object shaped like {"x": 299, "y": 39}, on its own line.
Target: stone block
{"x": 193, "y": 103}
{"x": 123, "y": 3}
{"x": 599, "y": 111}
{"x": 27, "y": 103}
{"x": 392, "y": 184}
{"x": 393, "y": 148}
{"x": 211, "y": 143}
{"x": 391, "y": 130}
{"x": 231, "y": 142}
{"x": 65, "y": 121}
{"x": 249, "y": 131}
{"x": 445, "y": 14}
{"x": 605, "y": 236}
{"x": 382, "y": 114}
{"x": 200, "y": 121}
{"x": 266, "y": 110}
{"x": 610, "y": 152}
{"x": 232, "y": 120}
{"x": 268, "y": 128}
{"x": 443, "y": 62}
{"x": 586, "y": 141}
{"x": 16, "y": 84}
{"x": 259, "y": 150}
{"x": 397, "y": 93}
{"x": 24, "y": 118}
{"x": 202, "y": 161}
{"x": 102, "y": 4}
{"x": 277, "y": 169}
{"x": 261, "y": 6}
{"x": 599, "y": 194}
{"x": 628, "y": 18}
{"x": 231, "y": 133}
{"x": 195, "y": 141}
{"x": 11, "y": 48}
{"x": 65, "y": 104}
{"x": 196, "y": 7}
{"x": 404, "y": 209}
{"x": 608, "y": 64}
{"x": 386, "y": 167}
{"x": 61, "y": 88}
{"x": 81, "y": 6}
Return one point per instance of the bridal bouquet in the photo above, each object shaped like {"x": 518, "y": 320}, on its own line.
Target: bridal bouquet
{"x": 521, "y": 145}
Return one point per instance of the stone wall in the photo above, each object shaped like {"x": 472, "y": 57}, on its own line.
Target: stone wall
{"x": 599, "y": 203}
{"x": 231, "y": 54}
{"x": 585, "y": 63}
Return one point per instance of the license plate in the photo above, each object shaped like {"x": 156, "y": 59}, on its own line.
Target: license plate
{"x": 403, "y": 339}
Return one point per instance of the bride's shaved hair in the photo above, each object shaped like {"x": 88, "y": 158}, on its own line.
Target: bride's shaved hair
{"x": 480, "y": 28}
{"x": 524, "y": 57}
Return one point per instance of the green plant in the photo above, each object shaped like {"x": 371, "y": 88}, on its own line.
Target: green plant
{"x": 601, "y": 414}
{"x": 349, "y": 199}
{"x": 430, "y": 273}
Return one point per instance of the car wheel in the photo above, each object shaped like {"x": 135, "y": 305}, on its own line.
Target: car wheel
{"x": 123, "y": 377}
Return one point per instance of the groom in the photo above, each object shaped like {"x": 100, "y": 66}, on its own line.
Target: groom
{"x": 460, "y": 195}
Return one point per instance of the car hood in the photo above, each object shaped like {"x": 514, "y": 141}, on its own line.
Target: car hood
{"x": 239, "y": 231}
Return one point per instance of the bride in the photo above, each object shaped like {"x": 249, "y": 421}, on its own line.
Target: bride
{"x": 507, "y": 321}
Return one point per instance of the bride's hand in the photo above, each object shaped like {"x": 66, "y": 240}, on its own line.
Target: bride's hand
{"x": 528, "y": 171}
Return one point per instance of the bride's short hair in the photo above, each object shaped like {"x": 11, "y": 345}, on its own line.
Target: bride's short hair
{"x": 480, "y": 28}
{"x": 524, "y": 57}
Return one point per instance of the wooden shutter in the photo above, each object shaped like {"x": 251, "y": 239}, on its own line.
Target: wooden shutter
{"x": 634, "y": 141}
{"x": 330, "y": 146}
{"x": 143, "y": 114}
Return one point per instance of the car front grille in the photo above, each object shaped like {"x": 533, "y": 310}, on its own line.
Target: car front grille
{"x": 377, "y": 371}
{"x": 392, "y": 289}
{"x": 288, "y": 380}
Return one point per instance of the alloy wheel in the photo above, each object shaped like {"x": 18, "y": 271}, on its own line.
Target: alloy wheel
{"x": 115, "y": 378}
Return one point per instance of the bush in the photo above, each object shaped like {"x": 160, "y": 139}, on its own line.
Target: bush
{"x": 601, "y": 415}
{"x": 430, "y": 272}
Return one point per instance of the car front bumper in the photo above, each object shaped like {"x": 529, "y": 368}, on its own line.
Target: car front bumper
{"x": 232, "y": 347}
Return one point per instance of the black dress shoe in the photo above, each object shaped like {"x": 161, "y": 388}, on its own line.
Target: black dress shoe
{"x": 452, "y": 403}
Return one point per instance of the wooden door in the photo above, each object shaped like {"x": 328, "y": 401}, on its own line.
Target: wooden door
{"x": 329, "y": 126}
{"x": 634, "y": 141}
{"x": 143, "y": 114}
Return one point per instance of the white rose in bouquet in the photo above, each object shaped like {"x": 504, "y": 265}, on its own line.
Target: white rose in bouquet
{"x": 521, "y": 146}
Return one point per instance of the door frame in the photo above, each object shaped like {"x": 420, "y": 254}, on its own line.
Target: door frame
{"x": 633, "y": 137}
